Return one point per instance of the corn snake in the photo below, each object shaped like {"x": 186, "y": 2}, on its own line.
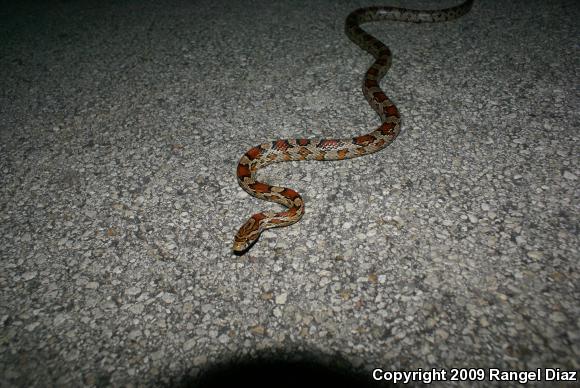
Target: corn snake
{"x": 332, "y": 149}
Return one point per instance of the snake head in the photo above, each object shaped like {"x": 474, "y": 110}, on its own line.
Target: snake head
{"x": 248, "y": 234}
{"x": 242, "y": 246}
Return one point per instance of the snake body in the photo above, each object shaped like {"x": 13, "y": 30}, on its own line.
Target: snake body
{"x": 331, "y": 149}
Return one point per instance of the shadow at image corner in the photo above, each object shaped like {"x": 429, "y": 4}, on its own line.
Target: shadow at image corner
{"x": 281, "y": 371}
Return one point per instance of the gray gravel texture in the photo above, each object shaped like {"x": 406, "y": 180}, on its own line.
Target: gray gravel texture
{"x": 121, "y": 126}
